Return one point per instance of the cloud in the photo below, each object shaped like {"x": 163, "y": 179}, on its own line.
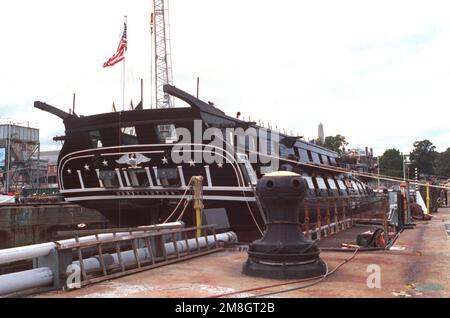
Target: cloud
{"x": 375, "y": 72}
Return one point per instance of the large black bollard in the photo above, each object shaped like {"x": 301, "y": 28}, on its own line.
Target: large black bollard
{"x": 283, "y": 251}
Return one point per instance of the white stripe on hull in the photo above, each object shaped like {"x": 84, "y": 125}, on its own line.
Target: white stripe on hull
{"x": 121, "y": 197}
{"x": 247, "y": 189}
{"x": 234, "y": 163}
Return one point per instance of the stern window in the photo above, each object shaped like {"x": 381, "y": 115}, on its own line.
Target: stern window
{"x": 309, "y": 182}
{"x": 341, "y": 185}
{"x": 321, "y": 183}
{"x": 95, "y": 139}
{"x": 303, "y": 154}
{"x": 138, "y": 178}
{"x": 109, "y": 178}
{"x": 315, "y": 157}
{"x": 332, "y": 184}
{"x": 128, "y": 136}
{"x": 354, "y": 186}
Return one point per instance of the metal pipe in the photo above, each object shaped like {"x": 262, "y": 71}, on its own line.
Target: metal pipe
{"x": 14, "y": 254}
{"x": 93, "y": 263}
{"x": 198, "y": 202}
{"x": 20, "y": 281}
{"x": 202, "y": 242}
{"x": 408, "y": 204}
{"x": 43, "y": 276}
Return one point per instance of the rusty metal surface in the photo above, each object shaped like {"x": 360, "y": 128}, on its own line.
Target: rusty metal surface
{"x": 417, "y": 266}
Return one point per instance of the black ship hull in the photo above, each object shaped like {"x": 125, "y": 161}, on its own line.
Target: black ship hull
{"x": 123, "y": 166}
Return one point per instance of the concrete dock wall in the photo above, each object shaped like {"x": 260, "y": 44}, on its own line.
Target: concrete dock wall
{"x": 32, "y": 224}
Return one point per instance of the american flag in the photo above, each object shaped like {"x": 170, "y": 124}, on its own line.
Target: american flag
{"x": 120, "y": 53}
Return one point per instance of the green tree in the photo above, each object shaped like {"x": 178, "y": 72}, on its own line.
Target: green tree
{"x": 423, "y": 156}
{"x": 442, "y": 163}
{"x": 318, "y": 142}
{"x": 334, "y": 143}
{"x": 391, "y": 163}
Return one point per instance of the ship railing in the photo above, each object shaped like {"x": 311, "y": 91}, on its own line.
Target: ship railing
{"x": 149, "y": 250}
{"x": 333, "y": 215}
{"x": 78, "y": 262}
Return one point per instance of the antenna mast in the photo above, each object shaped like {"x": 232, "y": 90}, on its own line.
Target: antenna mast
{"x": 162, "y": 60}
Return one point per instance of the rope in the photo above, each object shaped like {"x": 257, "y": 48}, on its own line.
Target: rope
{"x": 253, "y": 216}
{"x": 318, "y": 280}
{"x": 296, "y": 288}
{"x": 186, "y": 203}
{"x": 188, "y": 187}
{"x": 313, "y": 283}
{"x": 327, "y": 273}
{"x": 259, "y": 204}
{"x": 354, "y": 172}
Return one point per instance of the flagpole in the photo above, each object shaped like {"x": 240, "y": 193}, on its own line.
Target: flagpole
{"x": 123, "y": 87}
{"x": 124, "y": 74}
{"x": 151, "y": 60}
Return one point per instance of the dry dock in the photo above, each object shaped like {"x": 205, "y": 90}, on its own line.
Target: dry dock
{"x": 418, "y": 265}
{"x": 33, "y": 223}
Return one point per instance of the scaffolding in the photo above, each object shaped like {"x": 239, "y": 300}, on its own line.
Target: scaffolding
{"x": 20, "y": 163}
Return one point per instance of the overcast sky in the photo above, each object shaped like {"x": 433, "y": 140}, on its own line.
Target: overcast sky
{"x": 377, "y": 72}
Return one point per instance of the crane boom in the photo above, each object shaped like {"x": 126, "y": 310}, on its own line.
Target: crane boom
{"x": 162, "y": 58}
